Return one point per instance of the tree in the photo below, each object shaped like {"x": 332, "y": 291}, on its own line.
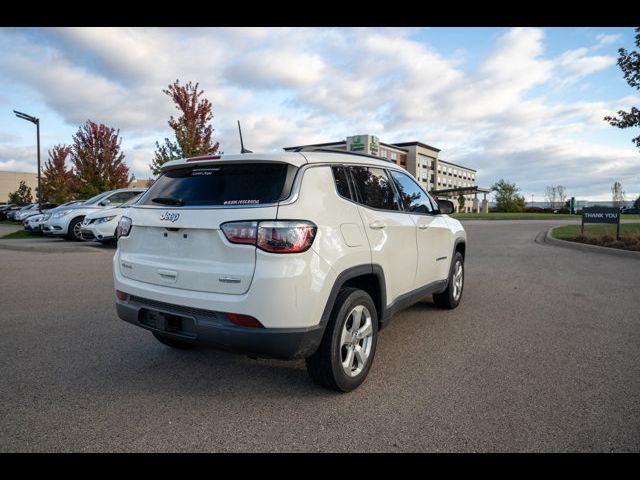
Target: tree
{"x": 192, "y": 128}
{"x": 98, "y": 163}
{"x": 617, "y": 195}
{"x": 636, "y": 204}
{"x": 629, "y": 63}
{"x": 507, "y": 198}
{"x": 555, "y": 195}
{"x": 461, "y": 202}
{"x": 550, "y": 194}
{"x": 57, "y": 179}
{"x": 562, "y": 193}
{"x": 22, "y": 196}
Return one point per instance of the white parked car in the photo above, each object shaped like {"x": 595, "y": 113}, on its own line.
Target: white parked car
{"x": 101, "y": 225}
{"x": 67, "y": 222}
{"x": 285, "y": 255}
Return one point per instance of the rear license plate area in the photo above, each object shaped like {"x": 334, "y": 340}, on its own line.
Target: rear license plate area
{"x": 168, "y": 322}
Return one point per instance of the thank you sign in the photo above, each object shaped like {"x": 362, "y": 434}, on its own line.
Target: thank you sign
{"x": 601, "y": 215}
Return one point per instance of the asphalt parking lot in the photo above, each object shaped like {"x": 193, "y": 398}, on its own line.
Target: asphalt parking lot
{"x": 542, "y": 355}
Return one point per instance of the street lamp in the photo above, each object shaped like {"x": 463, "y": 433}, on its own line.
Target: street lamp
{"x": 35, "y": 120}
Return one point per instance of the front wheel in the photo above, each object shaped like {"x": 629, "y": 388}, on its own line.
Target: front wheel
{"x": 75, "y": 229}
{"x": 451, "y": 297}
{"x": 346, "y": 352}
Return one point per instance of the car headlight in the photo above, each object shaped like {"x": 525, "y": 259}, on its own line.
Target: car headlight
{"x": 61, "y": 214}
{"x": 104, "y": 219}
{"x": 124, "y": 227}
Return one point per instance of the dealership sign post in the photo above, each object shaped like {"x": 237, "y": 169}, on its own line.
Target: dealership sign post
{"x": 601, "y": 215}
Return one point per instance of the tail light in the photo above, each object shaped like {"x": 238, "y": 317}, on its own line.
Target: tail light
{"x": 272, "y": 236}
{"x": 240, "y": 232}
{"x": 124, "y": 227}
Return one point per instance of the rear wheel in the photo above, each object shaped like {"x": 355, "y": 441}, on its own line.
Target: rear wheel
{"x": 346, "y": 353}
{"x": 451, "y": 297}
{"x": 172, "y": 342}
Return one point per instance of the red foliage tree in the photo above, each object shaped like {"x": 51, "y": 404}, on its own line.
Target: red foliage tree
{"x": 57, "y": 179}
{"x": 97, "y": 160}
{"x": 192, "y": 128}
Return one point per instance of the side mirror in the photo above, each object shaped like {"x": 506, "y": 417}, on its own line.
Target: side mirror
{"x": 105, "y": 202}
{"x": 445, "y": 207}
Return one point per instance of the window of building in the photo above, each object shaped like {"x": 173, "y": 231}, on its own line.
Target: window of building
{"x": 394, "y": 156}
{"x": 383, "y": 153}
{"x": 374, "y": 188}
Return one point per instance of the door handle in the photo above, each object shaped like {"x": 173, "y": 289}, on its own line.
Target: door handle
{"x": 423, "y": 226}
{"x": 377, "y": 225}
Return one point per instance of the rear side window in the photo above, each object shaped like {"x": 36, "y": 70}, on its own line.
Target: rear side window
{"x": 342, "y": 184}
{"x": 414, "y": 199}
{"x": 374, "y": 188}
{"x": 225, "y": 184}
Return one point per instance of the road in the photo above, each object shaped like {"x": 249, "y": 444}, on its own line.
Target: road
{"x": 542, "y": 355}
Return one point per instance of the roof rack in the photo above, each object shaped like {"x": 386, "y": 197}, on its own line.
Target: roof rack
{"x": 335, "y": 150}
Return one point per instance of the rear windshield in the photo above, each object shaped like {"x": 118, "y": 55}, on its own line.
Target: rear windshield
{"x": 216, "y": 185}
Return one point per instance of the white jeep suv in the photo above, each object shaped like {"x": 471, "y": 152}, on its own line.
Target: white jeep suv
{"x": 285, "y": 255}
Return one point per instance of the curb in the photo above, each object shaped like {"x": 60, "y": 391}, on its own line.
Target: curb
{"x": 585, "y": 247}
{"x": 4, "y": 245}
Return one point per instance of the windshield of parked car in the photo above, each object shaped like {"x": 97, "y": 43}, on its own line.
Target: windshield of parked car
{"x": 131, "y": 201}
{"x": 97, "y": 198}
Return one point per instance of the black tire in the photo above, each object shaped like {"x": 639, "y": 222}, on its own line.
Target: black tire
{"x": 72, "y": 226}
{"x": 325, "y": 366}
{"x": 448, "y": 299}
{"x": 172, "y": 342}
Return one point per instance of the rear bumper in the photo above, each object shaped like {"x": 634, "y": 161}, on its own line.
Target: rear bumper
{"x": 203, "y": 327}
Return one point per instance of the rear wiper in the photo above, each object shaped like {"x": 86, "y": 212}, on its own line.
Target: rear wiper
{"x": 168, "y": 201}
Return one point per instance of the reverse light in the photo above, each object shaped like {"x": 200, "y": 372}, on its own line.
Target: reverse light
{"x": 244, "y": 320}
{"x": 124, "y": 227}
{"x": 272, "y": 236}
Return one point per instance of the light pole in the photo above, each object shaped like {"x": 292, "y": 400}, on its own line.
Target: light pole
{"x": 35, "y": 120}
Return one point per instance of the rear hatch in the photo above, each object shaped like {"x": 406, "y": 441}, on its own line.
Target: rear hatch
{"x": 176, "y": 240}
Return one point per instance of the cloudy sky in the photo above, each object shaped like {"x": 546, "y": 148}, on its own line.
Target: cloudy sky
{"x": 524, "y": 104}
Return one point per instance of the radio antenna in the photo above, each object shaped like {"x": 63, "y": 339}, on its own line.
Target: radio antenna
{"x": 242, "y": 149}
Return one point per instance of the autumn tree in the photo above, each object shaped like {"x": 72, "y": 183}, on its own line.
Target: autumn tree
{"x": 57, "y": 179}
{"x": 22, "y": 196}
{"x": 629, "y": 63}
{"x": 98, "y": 163}
{"x": 192, "y": 128}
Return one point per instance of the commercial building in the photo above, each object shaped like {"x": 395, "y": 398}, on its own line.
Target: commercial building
{"x": 10, "y": 181}
{"x": 439, "y": 177}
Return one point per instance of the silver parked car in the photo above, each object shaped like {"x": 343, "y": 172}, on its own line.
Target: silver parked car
{"x": 67, "y": 222}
